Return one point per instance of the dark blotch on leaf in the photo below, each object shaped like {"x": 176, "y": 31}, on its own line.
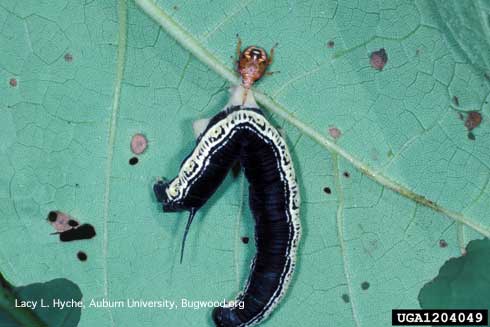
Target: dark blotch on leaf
{"x": 68, "y": 57}
{"x": 365, "y": 285}
{"x": 83, "y": 232}
{"x": 330, "y": 44}
{"x": 72, "y": 223}
{"x": 52, "y": 216}
{"x": 471, "y": 136}
{"x": 133, "y": 161}
{"x": 346, "y": 174}
{"x": 82, "y": 256}
{"x": 346, "y": 298}
{"x": 327, "y": 190}
{"x": 13, "y": 82}
{"x": 456, "y": 100}
{"x": 442, "y": 243}
{"x": 379, "y": 59}
{"x": 245, "y": 239}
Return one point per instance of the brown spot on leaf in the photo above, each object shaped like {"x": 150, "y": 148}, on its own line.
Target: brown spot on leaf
{"x": 61, "y": 221}
{"x": 334, "y": 132}
{"x": 139, "y": 143}
{"x": 379, "y": 59}
{"x": 13, "y": 82}
{"x": 442, "y": 243}
{"x": 473, "y": 120}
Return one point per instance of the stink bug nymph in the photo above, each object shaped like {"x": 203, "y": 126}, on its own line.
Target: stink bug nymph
{"x": 252, "y": 64}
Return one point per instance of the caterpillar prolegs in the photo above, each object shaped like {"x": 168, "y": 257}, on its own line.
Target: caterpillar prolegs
{"x": 241, "y": 132}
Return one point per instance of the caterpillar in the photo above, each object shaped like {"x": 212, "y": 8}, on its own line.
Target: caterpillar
{"x": 241, "y": 134}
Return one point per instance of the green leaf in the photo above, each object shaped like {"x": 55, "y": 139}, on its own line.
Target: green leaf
{"x": 50, "y": 304}
{"x": 462, "y": 283}
{"x": 90, "y": 75}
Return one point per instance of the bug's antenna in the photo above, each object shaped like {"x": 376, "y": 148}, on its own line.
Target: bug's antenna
{"x": 189, "y": 222}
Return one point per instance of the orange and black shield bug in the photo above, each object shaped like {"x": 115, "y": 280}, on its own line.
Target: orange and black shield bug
{"x": 252, "y": 64}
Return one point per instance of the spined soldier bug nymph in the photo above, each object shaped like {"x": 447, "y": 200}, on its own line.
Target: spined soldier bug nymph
{"x": 252, "y": 64}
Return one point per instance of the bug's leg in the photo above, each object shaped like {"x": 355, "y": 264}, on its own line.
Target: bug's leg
{"x": 238, "y": 47}
{"x": 271, "y": 57}
{"x": 272, "y": 73}
{"x": 238, "y": 52}
{"x": 189, "y": 222}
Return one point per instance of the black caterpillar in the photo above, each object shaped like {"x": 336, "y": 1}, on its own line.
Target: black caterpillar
{"x": 241, "y": 132}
